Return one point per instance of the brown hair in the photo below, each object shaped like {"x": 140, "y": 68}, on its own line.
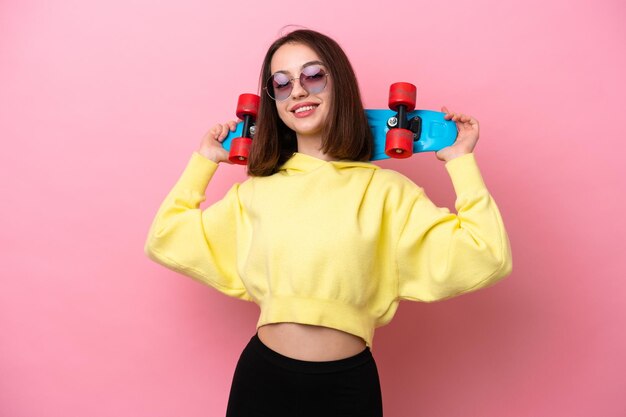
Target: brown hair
{"x": 346, "y": 135}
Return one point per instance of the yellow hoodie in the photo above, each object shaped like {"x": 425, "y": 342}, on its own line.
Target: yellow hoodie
{"x": 332, "y": 243}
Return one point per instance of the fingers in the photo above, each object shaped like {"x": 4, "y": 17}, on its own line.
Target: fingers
{"x": 449, "y": 115}
{"x": 458, "y": 117}
{"x": 221, "y": 131}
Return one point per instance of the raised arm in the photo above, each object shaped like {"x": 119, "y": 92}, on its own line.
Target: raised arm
{"x": 200, "y": 244}
{"x": 441, "y": 254}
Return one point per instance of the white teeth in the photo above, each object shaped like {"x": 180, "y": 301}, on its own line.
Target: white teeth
{"x": 304, "y": 108}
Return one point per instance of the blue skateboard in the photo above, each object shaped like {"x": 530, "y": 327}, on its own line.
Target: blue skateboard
{"x": 398, "y": 133}
{"x": 432, "y": 134}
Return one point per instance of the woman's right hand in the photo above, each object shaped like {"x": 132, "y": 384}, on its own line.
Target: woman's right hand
{"x": 211, "y": 145}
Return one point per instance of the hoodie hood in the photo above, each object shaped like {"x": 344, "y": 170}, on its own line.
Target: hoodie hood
{"x": 301, "y": 163}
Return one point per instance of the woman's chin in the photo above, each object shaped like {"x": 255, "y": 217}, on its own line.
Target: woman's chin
{"x": 307, "y": 127}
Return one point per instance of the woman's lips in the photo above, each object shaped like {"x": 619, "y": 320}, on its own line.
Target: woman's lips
{"x": 304, "y": 111}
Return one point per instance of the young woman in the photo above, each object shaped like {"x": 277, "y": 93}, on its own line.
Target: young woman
{"x": 325, "y": 242}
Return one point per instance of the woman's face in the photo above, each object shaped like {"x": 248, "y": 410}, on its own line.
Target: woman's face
{"x": 303, "y": 112}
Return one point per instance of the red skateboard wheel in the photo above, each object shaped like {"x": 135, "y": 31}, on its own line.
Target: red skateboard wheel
{"x": 402, "y": 94}
{"x": 239, "y": 151}
{"x": 399, "y": 143}
{"x": 248, "y": 104}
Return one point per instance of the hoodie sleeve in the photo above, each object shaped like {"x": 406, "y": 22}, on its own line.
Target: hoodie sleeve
{"x": 199, "y": 244}
{"x": 439, "y": 254}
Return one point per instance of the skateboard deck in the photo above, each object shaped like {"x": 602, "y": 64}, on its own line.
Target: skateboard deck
{"x": 433, "y": 131}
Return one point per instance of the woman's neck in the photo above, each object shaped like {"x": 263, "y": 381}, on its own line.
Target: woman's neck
{"x": 312, "y": 146}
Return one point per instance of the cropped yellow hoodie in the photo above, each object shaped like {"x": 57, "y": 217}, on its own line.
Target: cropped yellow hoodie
{"x": 332, "y": 243}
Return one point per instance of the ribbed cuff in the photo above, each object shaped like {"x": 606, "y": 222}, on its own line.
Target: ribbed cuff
{"x": 198, "y": 172}
{"x": 465, "y": 174}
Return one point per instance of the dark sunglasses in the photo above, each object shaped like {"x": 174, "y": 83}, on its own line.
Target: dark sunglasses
{"x": 312, "y": 78}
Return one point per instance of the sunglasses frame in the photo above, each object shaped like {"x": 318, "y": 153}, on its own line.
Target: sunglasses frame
{"x": 292, "y": 81}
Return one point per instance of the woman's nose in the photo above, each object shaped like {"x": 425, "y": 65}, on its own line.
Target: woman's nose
{"x": 298, "y": 90}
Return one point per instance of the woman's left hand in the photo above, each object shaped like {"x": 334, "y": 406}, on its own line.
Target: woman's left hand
{"x": 466, "y": 139}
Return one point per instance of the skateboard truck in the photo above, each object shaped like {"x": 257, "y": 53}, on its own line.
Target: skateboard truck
{"x": 414, "y": 125}
{"x": 247, "y": 110}
{"x": 400, "y": 137}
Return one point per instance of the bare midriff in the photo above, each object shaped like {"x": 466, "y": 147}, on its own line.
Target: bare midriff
{"x": 310, "y": 343}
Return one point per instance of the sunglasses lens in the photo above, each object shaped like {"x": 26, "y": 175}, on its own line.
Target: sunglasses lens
{"x": 313, "y": 79}
{"x": 279, "y": 86}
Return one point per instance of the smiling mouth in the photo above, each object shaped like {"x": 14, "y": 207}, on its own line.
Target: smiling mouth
{"x": 304, "y": 108}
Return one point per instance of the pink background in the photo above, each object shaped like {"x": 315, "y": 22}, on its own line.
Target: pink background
{"x": 102, "y": 104}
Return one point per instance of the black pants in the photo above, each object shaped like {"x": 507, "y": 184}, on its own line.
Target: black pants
{"x": 268, "y": 384}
